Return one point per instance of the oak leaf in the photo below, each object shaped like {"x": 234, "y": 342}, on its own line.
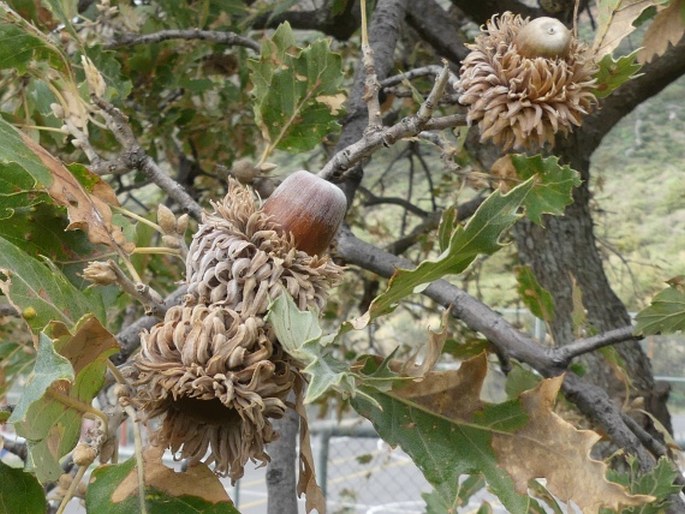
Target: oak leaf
{"x": 668, "y": 27}
{"x": 548, "y": 446}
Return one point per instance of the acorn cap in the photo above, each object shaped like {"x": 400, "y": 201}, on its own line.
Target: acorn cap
{"x": 308, "y": 207}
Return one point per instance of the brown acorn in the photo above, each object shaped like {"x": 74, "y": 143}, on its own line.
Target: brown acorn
{"x": 308, "y": 207}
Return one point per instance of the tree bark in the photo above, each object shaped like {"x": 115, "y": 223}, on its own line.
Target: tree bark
{"x": 565, "y": 249}
{"x": 281, "y": 473}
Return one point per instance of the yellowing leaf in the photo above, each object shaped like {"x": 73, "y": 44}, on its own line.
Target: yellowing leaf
{"x": 615, "y": 22}
{"x": 548, "y": 446}
{"x": 114, "y": 488}
{"x": 667, "y": 27}
{"x": 69, "y": 371}
{"x": 86, "y": 212}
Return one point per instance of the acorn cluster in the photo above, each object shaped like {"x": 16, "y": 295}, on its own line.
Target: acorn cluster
{"x": 525, "y": 81}
{"x": 213, "y": 368}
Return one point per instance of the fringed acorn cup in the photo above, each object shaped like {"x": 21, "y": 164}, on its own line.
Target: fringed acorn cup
{"x": 525, "y": 81}
{"x": 213, "y": 368}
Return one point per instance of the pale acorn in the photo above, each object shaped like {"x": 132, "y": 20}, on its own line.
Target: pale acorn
{"x": 526, "y": 81}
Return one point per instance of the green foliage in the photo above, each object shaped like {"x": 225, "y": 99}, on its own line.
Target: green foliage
{"x": 297, "y": 93}
{"x": 553, "y": 185}
{"x": 660, "y": 482}
{"x": 538, "y": 300}
{"x": 481, "y": 235}
{"x": 666, "y": 313}
{"x": 69, "y": 372}
{"x": 20, "y": 492}
{"x": 40, "y": 291}
{"x": 613, "y": 73}
{"x": 445, "y": 449}
{"x": 114, "y": 489}
{"x": 301, "y": 336}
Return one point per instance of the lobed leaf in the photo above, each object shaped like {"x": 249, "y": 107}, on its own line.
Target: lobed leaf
{"x": 69, "y": 372}
{"x": 297, "y": 93}
{"x": 509, "y": 443}
{"x": 613, "y": 73}
{"x": 481, "y": 235}
{"x": 615, "y": 21}
{"x": 553, "y": 185}
{"x": 666, "y": 314}
{"x": 667, "y": 28}
{"x": 302, "y": 338}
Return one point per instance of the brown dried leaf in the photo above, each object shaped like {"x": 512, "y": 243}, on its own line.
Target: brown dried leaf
{"x": 197, "y": 481}
{"x": 667, "y": 27}
{"x": 87, "y": 212}
{"x": 306, "y": 482}
{"x": 454, "y": 394}
{"x": 616, "y": 22}
{"x": 548, "y": 446}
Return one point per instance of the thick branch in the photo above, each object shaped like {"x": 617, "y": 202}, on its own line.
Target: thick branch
{"x": 437, "y": 28}
{"x": 592, "y": 401}
{"x": 213, "y": 36}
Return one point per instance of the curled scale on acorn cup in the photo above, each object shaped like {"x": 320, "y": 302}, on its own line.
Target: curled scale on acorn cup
{"x": 525, "y": 81}
{"x": 213, "y": 369}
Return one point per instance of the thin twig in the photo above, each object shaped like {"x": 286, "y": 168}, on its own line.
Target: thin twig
{"x": 140, "y": 463}
{"x": 213, "y": 36}
{"x": 562, "y": 355}
{"x": 75, "y": 481}
{"x": 370, "y": 142}
{"x": 151, "y": 300}
{"x": 371, "y": 84}
{"x": 135, "y": 157}
{"x": 431, "y": 69}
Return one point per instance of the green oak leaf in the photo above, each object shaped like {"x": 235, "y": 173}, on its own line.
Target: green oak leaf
{"x": 40, "y": 291}
{"x": 302, "y": 338}
{"x": 659, "y": 482}
{"x": 69, "y": 371}
{"x": 481, "y": 235}
{"x": 553, "y": 189}
{"x": 297, "y": 93}
{"x": 613, "y": 73}
{"x": 666, "y": 314}
{"x": 538, "y": 300}
{"x": 20, "y": 492}
{"x": 22, "y": 45}
{"x": 444, "y": 449}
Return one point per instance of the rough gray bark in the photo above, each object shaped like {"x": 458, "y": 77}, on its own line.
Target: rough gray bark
{"x": 566, "y": 250}
{"x": 281, "y": 473}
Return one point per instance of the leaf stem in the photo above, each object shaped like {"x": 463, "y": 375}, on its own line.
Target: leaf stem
{"x": 137, "y": 217}
{"x": 72, "y": 488}
{"x": 138, "y": 441}
{"x": 78, "y": 405}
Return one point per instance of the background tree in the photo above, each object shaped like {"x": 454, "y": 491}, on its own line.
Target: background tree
{"x": 156, "y": 104}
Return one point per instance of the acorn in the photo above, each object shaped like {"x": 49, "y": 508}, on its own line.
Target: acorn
{"x": 543, "y": 37}
{"x": 308, "y": 207}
